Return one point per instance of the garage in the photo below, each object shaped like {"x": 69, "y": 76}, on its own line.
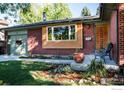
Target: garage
{"x": 17, "y": 42}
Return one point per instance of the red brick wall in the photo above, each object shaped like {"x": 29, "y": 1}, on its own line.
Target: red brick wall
{"x": 89, "y": 46}
{"x": 121, "y": 34}
{"x": 2, "y": 47}
{"x": 35, "y": 43}
{"x": 112, "y": 34}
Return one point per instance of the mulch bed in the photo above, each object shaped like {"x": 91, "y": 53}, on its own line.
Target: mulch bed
{"x": 118, "y": 81}
{"x": 57, "y": 77}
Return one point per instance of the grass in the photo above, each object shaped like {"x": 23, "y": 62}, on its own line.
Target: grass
{"x": 38, "y": 73}
{"x": 18, "y": 73}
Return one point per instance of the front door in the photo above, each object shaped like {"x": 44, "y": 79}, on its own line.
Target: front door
{"x": 101, "y": 36}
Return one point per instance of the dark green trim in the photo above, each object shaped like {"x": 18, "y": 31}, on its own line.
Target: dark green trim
{"x": 22, "y": 28}
{"x": 94, "y": 27}
{"x": 117, "y": 35}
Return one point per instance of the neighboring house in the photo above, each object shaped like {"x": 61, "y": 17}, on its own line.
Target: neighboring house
{"x": 64, "y": 37}
{"x": 3, "y": 23}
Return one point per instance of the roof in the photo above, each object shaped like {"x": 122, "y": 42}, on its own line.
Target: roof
{"x": 107, "y": 9}
{"x": 39, "y": 24}
{"x": 43, "y": 23}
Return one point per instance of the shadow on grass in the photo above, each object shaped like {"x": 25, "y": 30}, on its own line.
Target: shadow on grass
{"x": 17, "y": 73}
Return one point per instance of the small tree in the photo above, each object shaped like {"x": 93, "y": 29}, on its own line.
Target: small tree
{"x": 85, "y": 12}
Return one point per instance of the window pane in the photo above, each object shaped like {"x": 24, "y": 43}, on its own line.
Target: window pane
{"x": 49, "y": 33}
{"x": 61, "y": 33}
{"x": 72, "y": 32}
{"x": 18, "y": 42}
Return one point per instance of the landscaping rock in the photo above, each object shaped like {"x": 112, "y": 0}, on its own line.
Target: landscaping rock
{"x": 73, "y": 82}
{"x": 81, "y": 82}
{"x": 76, "y": 81}
{"x": 112, "y": 67}
{"x": 85, "y": 80}
{"x": 94, "y": 83}
{"x": 93, "y": 77}
{"x": 89, "y": 79}
{"x": 78, "y": 66}
{"x": 115, "y": 76}
{"x": 103, "y": 81}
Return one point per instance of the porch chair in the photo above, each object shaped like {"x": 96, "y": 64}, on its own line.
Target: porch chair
{"x": 105, "y": 52}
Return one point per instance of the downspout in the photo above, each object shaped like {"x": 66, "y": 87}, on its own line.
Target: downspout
{"x": 117, "y": 35}
{"x": 6, "y": 46}
{"x": 101, "y": 11}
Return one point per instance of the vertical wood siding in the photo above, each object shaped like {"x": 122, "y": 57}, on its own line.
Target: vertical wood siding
{"x": 101, "y": 36}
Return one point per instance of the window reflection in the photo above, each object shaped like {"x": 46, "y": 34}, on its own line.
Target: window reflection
{"x": 61, "y": 33}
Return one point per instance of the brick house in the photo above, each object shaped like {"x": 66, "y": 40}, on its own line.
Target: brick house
{"x": 64, "y": 37}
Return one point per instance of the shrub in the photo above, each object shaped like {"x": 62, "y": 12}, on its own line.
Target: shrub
{"x": 96, "y": 68}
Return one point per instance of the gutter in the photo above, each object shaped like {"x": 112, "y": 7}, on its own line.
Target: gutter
{"x": 117, "y": 35}
{"x": 19, "y": 28}
{"x": 40, "y": 24}
{"x": 98, "y": 18}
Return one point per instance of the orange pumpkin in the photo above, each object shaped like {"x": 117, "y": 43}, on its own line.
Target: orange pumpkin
{"x": 78, "y": 57}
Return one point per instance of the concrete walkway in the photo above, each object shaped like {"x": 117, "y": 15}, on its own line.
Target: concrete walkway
{"x": 87, "y": 60}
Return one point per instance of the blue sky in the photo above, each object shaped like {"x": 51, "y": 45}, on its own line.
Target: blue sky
{"x": 77, "y": 7}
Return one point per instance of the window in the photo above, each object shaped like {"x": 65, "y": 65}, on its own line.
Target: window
{"x": 18, "y": 42}
{"x": 61, "y": 33}
{"x": 72, "y": 36}
{"x": 49, "y": 33}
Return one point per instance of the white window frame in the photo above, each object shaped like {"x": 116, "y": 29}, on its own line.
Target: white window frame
{"x": 52, "y": 27}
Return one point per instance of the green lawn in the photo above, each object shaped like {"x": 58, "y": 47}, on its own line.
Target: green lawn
{"x": 18, "y": 73}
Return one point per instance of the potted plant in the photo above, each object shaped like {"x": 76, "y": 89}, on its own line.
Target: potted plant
{"x": 78, "y": 56}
